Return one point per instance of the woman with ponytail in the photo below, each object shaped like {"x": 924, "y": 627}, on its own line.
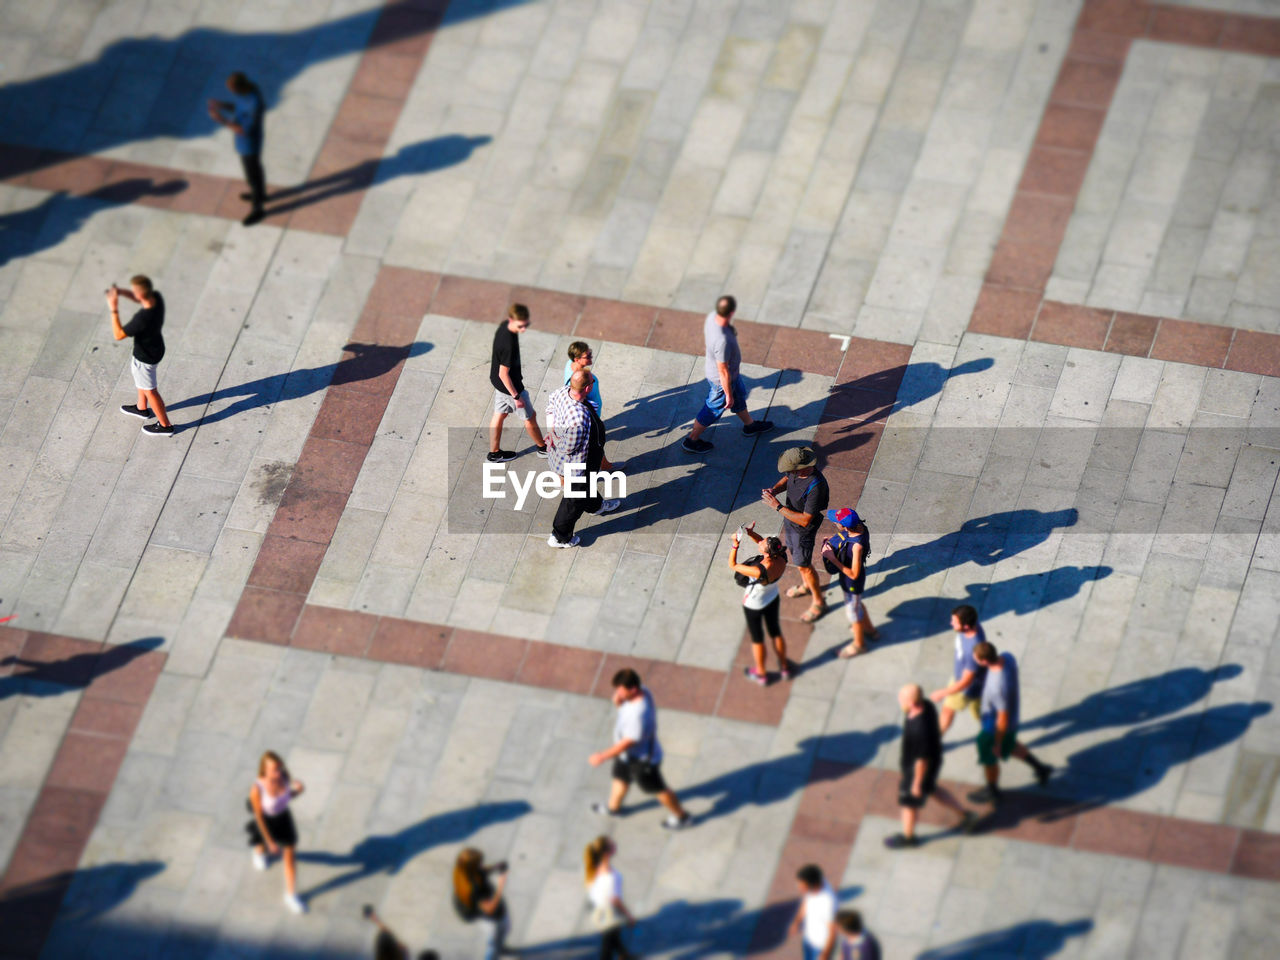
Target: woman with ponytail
{"x": 604, "y": 890}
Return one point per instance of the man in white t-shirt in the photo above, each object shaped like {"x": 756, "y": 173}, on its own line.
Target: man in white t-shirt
{"x": 636, "y": 752}
{"x": 816, "y": 918}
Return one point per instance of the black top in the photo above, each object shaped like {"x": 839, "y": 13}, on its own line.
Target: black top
{"x": 922, "y": 740}
{"x": 844, "y": 553}
{"x": 595, "y": 440}
{"x": 506, "y": 353}
{"x": 484, "y": 890}
{"x": 144, "y": 326}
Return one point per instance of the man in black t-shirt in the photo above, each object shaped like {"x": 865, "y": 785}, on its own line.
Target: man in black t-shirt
{"x": 509, "y": 394}
{"x": 148, "y": 350}
{"x": 921, "y": 763}
{"x": 807, "y": 498}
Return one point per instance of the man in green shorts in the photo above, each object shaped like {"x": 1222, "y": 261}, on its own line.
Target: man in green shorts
{"x": 999, "y": 737}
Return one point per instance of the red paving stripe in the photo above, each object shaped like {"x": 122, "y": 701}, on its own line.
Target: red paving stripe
{"x": 116, "y": 684}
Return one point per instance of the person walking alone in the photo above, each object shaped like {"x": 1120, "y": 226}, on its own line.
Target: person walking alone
{"x": 724, "y": 382}
{"x": 478, "y": 897}
{"x": 272, "y": 831}
{"x": 636, "y": 752}
{"x": 998, "y": 739}
{"x": 509, "y": 394}
{"x": 921, "y": 762}
{"x": 243, "y": 115}
{"x": 604, "y": 891}
{"x": 807, "y": 497}
{"x": 145, "y": 327}
{"x": 760, "y": 601}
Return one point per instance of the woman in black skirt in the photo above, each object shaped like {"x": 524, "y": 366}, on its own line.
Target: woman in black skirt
{"x": 271, "y": 829}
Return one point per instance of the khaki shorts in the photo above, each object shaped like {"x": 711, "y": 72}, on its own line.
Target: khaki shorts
{"x": 960, "y": 702}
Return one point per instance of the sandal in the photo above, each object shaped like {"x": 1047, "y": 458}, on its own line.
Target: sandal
{"x": 799, "y": 590}
{"x": 851, "y": 650}
{"x": 813, "y": 613}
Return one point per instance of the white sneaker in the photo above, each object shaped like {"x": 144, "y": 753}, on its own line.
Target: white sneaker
{"x": 259, "y": 860}
{"x": 553, "y": 542}
{"x": 608, "y": 507}
{"x": 294, "y": 903}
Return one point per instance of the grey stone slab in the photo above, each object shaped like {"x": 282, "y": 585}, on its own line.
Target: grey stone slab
{"x": 194, "y": 513}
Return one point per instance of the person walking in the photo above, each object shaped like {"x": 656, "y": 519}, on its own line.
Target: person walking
{"x": 604, "y": 891}
{"x": 243, "y": 115}
{"x": 145, "y": 327}
{"x": 509, "y": 394}
{"x": 725, "y": 386}
{"x": 856, "y": 942}
{"x": 845, "y": 554}
{"x": 760, "y": 601}
{"x": 964, "y": 693}
{"x": 816, "y": 919}
{"x": 272, "y": 831}
{"x": 807, "y": 498}
{"x": 998, "y": 739}
{"x": 580, "y": 358}
{"x": 921, "y": 761}
{"x": 636, "y": 752}
{"x": 577, "y": 438}
{"x": 385, "y": 944}
{"x": 478, "y": 897}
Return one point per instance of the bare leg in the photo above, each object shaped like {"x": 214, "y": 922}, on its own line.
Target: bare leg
{"x": 290, "y": 871}
{"x": 909, "y": 821}
{"x": 992, "y": 774}
{"x": 697, "y": 431}
{"x": 495, "y": 431}
{"x": 757, "y": 654}
{"x": 780, "y": 648}
{"x": 535, "y": 433}
{"x": 745, "y": 417}
{"x": 668, "y": 800}
{"x": 810, "y": 578}
{"x": 945, "y": 718}
{"x": 153, "y": 398}
{"x": 617, "y": 793}
{"x": 868, "y": 628}
{"x": 142, "y": 399}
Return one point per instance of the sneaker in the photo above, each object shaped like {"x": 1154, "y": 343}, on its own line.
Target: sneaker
{"x": 255, "y": 216}
{"x": 900, "y": 841}
{"x": 1043, "y": 772}
{"x": 541, "y": 451}
{"x": 156, "y": 430}
{"x": 787, "y": 671}
{"x": 602, "y": 810}
{"x": 985, "y": 795}
{"x": 696, "y": 446}
{"x": 501, "y": 456}
{"x": 259, "y": 860}
{"x": 678, "y": 823}
{"x": 133, "y": 411}
{"x": 608, "y": 507}
{"x": 757, "y": 427}
{"x": 294, "y": 903}
{"x": 553, "y": 542}
{"x": 968, "y": 823}
{"x": 754, "y": 675}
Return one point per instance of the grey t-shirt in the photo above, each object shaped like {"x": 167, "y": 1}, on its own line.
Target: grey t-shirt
{"x": 722, "y": 347}
{"x": 1000, "y": 692}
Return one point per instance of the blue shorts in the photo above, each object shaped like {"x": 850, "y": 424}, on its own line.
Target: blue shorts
{"x": 716, "y": 401}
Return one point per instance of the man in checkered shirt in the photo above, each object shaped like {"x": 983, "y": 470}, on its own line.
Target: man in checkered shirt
{"x": 576, "y": 437}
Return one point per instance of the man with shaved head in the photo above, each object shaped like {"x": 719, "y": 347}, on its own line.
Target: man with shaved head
{"x": 921, "y": 763}
{"x": 576, "y": 441}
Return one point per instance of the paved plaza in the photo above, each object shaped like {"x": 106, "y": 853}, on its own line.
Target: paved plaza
{"x": 1011, "y": 267}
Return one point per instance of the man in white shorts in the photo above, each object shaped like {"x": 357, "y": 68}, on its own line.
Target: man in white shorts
{"x": 148, "y": 350}
{"x": 509, "y": 394}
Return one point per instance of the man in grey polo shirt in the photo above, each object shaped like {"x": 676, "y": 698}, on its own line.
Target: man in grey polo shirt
{"x": 726, "y": 389}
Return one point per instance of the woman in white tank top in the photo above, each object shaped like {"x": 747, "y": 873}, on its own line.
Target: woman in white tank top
{"x": 272, "y": 831}
{"x": 760, "y": 602}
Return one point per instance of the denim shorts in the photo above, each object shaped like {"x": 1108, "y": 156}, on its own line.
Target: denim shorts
{"x": 716, "y": 401}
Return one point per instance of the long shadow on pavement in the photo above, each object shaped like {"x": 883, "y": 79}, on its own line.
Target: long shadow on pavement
{"x": 1033, "y": 940}
{"x": 41, "y": 679}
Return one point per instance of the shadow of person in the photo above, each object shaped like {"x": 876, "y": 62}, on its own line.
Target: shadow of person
{"x": 1139, "y": 701}
{"x": 923, "y": 617}
{"x": 52, "y": 678}
{"x": 75, "y": 897}
{"x": 415, "y": 158}
{"x": 1032, "y": 940}
{"x": 28, "y": 231}
{"x": 362, "y": 361}
{"x": 388, "y": 853}
{"x": 982, "y": 540}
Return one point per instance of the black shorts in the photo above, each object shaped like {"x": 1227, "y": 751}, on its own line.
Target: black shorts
{"x": 646, "y": 776}
{"x": 907, "y": 799}
{"x": 280, "y": 827}
{"x": 760, "y": 620}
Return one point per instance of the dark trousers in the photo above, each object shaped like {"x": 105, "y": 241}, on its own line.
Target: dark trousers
{"x": 570, "y": 512}
{"x": 256, "y": 179}
{"x": 611, "y": 945}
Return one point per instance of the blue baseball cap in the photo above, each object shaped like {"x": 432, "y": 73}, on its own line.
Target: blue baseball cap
{"x": 844, "y": 516}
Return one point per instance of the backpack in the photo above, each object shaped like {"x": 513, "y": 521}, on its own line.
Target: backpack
{"x": 741, "y": 579}
{"x": 840, "y": 546}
